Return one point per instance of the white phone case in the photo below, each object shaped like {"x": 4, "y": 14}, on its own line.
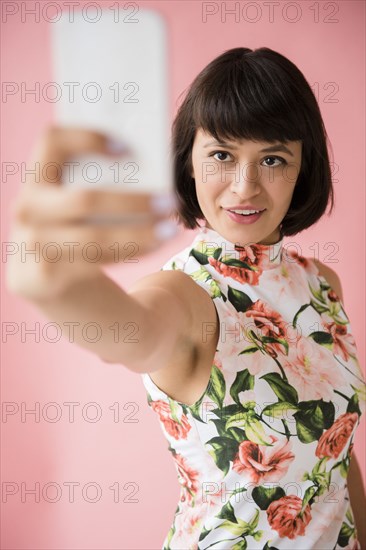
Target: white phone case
{"x": 113, "y": 77}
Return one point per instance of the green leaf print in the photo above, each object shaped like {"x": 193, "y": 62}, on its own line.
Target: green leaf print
{"x": 215, "y": 289}
{"x": 195, "y": 411}
{"x": 328, "y": 410}
{"x": 254, "y": 430}
{"x": 227, "y": 512}
{"x": 318, "y": 294}
{"x": 320, "y": 466}
{"x": 309, "y": 494}
{"x": 343, "y": 468}
{"x": 258, "y": 535}
{"x": 237, "y": 434}
{"x": 283, "y": 390}
{"x": 306, "y": 433}
{"x": 201, "y": 275}
{"x": 254, "y": 521}
{"x": 294, "y": 322}
{"x": 241, "y": 545}
{"x": 220, "y": 426}
{"x": 238, "y": 263}
{"x": 318, "y": 307}
{"x": 237, "y": 529}
{"x": 313, "y": 417}
{"x": 201, "y": 258}
{"x": 250, "y": 349}
{"x": 361, "y": 391}
{"x": 349, "y": 516}
{"x": 236, "y": 525}
{"x": 320, "y": 476}
{"x": 267, "y": 547}
{"x": 263, "y": 496}
{"x": 204, "y": 533}
{"x": 223, "y": 450}
{"x": 224, "y": 413}
{"x": 353, "y": 405}
{"x": 322, "y": 338}
{"x": 243, "y": 381}
{"x": 217, "y": 387}
{"x": 344, "y": 535}
{"x": 169, "y": 537}
{"x": 239, "y": 299}
{"x": 234, "y": 433}
{"x": 280, "y": 409}
{"x": 174, "y": 409}
{"x": 217, "y": 253}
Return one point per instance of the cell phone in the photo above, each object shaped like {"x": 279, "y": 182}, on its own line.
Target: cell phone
{"x": 112, "y": 75}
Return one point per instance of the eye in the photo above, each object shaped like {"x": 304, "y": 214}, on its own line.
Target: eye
{"x": 219, "y": 153}
{"x": 280, "y": 159}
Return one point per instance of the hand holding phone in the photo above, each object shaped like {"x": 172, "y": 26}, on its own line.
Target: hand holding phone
{"x": 76, "y": 231}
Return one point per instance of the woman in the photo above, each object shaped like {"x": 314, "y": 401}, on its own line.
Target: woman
{"x": 244, "y": 347}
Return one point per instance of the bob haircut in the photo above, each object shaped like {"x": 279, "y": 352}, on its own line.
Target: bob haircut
{"x": 257, "y": 95}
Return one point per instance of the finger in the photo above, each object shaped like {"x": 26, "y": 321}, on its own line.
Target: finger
{"x": 93, "y": 244}
{"x": 57, "y": 144}
{"x": 45, "y": 205}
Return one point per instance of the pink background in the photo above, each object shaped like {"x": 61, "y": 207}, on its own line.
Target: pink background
{"x": 131, "y": 449}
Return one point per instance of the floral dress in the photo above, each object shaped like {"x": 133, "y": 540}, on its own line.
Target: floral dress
{"x": 262, "y": 456}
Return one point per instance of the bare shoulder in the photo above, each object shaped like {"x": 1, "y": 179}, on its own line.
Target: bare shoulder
{"x": 177, "y": 291}
{"x": 174, "y": 294}
{"x": 331, "y": 277}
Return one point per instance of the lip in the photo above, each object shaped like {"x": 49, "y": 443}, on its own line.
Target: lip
{"x": 238, "y": 218}
{"x": 242, "y": 207}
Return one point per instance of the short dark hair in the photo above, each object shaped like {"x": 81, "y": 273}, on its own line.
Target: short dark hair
{"x": 258, "y": 95}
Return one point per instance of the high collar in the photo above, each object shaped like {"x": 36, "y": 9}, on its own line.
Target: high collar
{"x": 255, "y": 255}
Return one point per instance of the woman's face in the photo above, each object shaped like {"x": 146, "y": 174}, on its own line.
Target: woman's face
{"x": 245, "y": 175}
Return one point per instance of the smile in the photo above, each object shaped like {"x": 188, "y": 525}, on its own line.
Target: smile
{"x": 244, "y": 216}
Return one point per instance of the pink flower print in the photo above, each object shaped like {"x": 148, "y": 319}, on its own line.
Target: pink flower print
{"x": 187, "y": 523}
{"x": 311, "y": 371}
{"x": 290, "y": 283}
{"x": 234, "y": 335}
{"x": 283, "y": 516}
{"x": 343, "y": 342}
{"x": 172, "y": 427}
{"x": 240, "y": 274}
{"x": 328, "y": 512}
{"x": 188, "y": 478}
{"x": 334, "y": 439}
{"x": 332, "y": 296}
{"x": 291, "y": 256}
{"x": 254, "y": 255}
{"x": 270, "y": 324}
{"x": 263, "y": 462}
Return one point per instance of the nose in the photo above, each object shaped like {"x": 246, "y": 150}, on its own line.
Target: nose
{"x": 245, "y": 182}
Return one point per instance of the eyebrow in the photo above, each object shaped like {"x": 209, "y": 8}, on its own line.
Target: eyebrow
{"x": 271, "y": 149}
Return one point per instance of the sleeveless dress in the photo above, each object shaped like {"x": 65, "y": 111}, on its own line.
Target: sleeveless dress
{"x": 262, "y": 456}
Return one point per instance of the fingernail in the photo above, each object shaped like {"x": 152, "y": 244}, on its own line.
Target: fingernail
{"x": 163, "y": 204}
{"x": 114, "y": 146}
{"x": 165, "y": 230}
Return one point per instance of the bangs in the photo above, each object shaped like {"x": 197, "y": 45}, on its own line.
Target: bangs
{"x": 256, "y": 102}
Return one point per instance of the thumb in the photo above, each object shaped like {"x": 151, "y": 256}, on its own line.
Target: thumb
{"x": 57, "y": 144}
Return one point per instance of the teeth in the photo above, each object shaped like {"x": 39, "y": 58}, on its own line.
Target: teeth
{"x": 246, "y": 211}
